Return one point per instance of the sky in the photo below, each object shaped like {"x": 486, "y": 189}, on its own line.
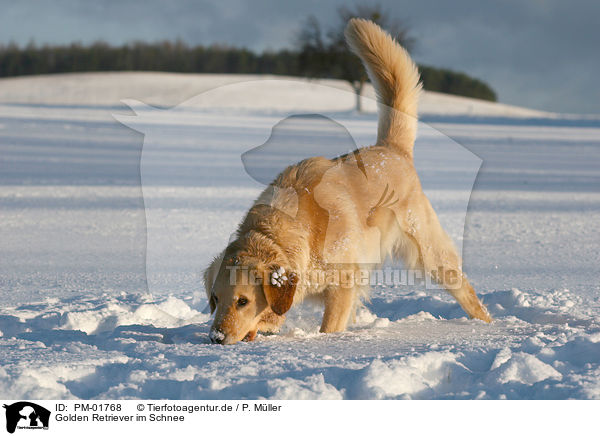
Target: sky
{"x": 541, "y": 54}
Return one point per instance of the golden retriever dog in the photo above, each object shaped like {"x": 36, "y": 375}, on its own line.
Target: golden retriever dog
{"x": 349, "y": 214}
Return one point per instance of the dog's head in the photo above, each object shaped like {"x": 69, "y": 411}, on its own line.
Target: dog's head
{"x": 246, "y": 295}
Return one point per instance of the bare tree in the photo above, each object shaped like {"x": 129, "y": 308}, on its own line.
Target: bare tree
{"x": 324, "y": 53}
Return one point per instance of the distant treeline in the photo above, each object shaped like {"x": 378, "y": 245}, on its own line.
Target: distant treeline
{"x": 179, "y": 57}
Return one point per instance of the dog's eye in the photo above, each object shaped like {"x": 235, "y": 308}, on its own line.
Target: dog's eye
{"x": 242, "y": 301}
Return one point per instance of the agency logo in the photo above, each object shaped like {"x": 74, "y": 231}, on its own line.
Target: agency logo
{"x": 27, "y": 416}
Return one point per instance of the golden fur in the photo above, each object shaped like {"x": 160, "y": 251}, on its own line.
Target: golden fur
{"x": 344, "y": 214}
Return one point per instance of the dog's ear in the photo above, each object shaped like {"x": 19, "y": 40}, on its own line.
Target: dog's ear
{"x": 210, "y": 275}
{"x": 279, "y": 287}
{"x": 212, "y": 304}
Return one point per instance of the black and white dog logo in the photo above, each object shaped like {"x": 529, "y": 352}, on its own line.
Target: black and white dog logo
{"x": 26, "y": 415}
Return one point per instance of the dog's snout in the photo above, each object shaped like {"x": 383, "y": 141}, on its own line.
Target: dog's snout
{"x": 216, "y": 336}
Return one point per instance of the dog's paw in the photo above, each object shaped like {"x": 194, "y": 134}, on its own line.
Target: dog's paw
{"x": 279, "y": 277}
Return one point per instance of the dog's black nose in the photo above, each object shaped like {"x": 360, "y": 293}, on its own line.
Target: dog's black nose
{"x": 216, "y": 336}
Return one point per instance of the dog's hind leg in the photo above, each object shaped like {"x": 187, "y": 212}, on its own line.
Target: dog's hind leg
{"x": 466, "y": 297}
{"x": 427, "y": 246}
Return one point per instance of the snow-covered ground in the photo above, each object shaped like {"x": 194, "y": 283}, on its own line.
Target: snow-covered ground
{"x": 77, "y": 320}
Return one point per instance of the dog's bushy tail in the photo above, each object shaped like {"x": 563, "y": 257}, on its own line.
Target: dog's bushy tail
{"x": 395, "y": 78}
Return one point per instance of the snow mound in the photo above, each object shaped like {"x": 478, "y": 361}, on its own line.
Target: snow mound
{"x": 106, "y": 317}
{"x": 411, "y": 377}
{"x": 521, "y": 368}
{"x": 54, "y": 372}
{"x": 311, "y": 388}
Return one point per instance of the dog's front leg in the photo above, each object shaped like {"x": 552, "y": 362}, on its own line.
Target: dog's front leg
{"x": 339, "y": 302}
{"x": 271, "y": 322}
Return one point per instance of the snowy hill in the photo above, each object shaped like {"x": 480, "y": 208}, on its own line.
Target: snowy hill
{"x": 169, "y": 89}
{"x": 82, "y": 240}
